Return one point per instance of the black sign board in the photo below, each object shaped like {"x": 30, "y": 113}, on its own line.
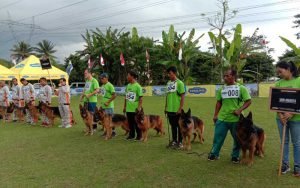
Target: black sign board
{"x": 45, "y": 64}
{"x": 285, "y": 100}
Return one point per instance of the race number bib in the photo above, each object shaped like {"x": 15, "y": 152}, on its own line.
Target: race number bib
{"x": 102, "y": 92}
{"x": 87, "y": 86}
{"x": 230, "y": 92}
{"x": 131, "y": 96}
{"x": 172, "y": 87}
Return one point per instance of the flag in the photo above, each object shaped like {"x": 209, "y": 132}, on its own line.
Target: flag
{"x": 122, "y": 59}
{"x": 147, "y": 56}
{"x": 69, "y": 68}
{"x": 180, "y": 54}
{"x": 102, "y": 60}
{"x": 90, "y": 63}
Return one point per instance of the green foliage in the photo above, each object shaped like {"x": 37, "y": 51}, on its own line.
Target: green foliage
{"x": 6, "y": 63}
{"x": 22, "y": 50}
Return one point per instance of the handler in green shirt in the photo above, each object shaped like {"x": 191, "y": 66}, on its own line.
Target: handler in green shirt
{"x": 133, "y": 101}
{"x": 232, "y": 99}
{"x": 174, "y": 105}
{"x": 89, "y": 95}
{"x": 107, "y": 91}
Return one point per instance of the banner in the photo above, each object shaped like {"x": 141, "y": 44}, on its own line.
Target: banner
{"x": 200, "y": 91}
{"x": 264, "y": 89}
{"x": 147, "y": 91}
{"x": 159, "y": 90}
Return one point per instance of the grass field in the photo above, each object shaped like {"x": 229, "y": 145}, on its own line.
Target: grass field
{"x": 54, "y": 157}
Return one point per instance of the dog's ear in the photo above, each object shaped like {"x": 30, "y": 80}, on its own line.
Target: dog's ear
{"x": 80, "y": 106}
{"x": 189, "y": 113}
{"x": 96, "y": 109}
{"x": 142, "y": 109}
{"x": 242, "y": 117}
{"x": 249, "y": 115}
{"x": 182, "y": 111}
{"x": 136, "y": 110}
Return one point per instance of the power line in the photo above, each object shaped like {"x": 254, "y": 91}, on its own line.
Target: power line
{"x": 10, "y": 4}
{"x": 114, "y": 14}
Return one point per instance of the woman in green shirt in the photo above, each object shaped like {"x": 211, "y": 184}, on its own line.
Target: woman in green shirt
{"x": 288, "y": 73}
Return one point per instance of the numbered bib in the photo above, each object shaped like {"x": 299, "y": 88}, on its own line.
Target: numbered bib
{"x": 230, "y": 92}
{"x": 131, "y": 96}
{"x": 102, "y": 92}
{"x": 172, "y": 87}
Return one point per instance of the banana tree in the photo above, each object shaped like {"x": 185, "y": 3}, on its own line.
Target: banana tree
{"x": 293, "y": 46}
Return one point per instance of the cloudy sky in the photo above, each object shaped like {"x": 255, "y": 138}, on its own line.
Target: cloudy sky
{"x": 62, "y": 21}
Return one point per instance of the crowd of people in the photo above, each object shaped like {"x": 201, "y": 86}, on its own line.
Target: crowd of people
{"x": 232, "y": 99}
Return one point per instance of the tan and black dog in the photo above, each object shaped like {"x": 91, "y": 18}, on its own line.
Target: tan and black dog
{"x": 87, "y": 118}
{"x": 250, "y": 137}
{"x": 108, "y": 122}
{"x": 190, "y": 125}
{"x": 5, "y": 112}
{"x": 145, "y": 122}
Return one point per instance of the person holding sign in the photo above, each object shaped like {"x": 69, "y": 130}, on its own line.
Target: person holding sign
{"x": 45, "y": 96}
{"x": 107, "y": 91}
{"x": 64, "y": 102}
{"x": 288, "y": 73}
{"x": 133, "y": 101}
{"x": 89, "y": 95}
{"x": 28, "y": 93}
{"x": 174, "y": 105}
{"x": 232, "y": 99}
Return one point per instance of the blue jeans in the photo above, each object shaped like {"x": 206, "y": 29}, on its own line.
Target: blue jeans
{"x": 293, "y": 129}
{"x": 109, "y": 111}
{"x": 91, "y": 106}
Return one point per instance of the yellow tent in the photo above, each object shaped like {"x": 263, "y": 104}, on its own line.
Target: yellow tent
{"x": 31, "y": 69}
{"x": 6, "y": 74}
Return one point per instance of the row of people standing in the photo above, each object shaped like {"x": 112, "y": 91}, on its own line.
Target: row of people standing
{"x": 25, "y": 95}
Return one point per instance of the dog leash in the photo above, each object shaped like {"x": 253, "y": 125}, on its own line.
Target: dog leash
{"x": 168, "y": 123}
{"x": 196, "y": 153}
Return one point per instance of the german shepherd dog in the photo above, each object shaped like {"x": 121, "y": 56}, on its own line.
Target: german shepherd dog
{"x": 33, "y": 111}
{"x": 145, "y": 122}
{"x": 250, "y": 137}
{"x": 5, "y": 112}
{"x": 108, "y": 122}
{"x": 190, "y": 125}
{"x": 50, "y": 112}
{"x": 87, "y": 119}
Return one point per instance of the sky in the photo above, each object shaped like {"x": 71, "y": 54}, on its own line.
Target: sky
{"x": 63, "y": 21}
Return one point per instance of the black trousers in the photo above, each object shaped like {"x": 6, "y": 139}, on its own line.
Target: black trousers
{"x": 133, "y": 127}
{"x": 174, "y": 122}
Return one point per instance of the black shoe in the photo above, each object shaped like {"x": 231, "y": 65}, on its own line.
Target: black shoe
{"x": 285, "y": 168}
{"x": 296, "y": 171}
{"x": 212, "y": 157}
{"x": 172, "y": 144}
{"x": 235, "y": 160}
{"x": 14, "y": 121}
{"x": 113, "y": 134}
{"x": 130, "y": 138}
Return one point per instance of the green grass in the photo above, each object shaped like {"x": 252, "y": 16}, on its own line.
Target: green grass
{"x": 54, "y": 157}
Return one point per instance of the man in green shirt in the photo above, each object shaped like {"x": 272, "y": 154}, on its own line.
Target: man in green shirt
{"x": 107, "y": 91}
{"x": 232, "y": 99}
{"x": 174, "y": 105}
{"x": 89, "y": 95}
{"x": 133, "y": 101}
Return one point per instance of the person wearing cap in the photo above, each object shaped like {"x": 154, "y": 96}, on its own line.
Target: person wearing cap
{"x": 17, "y": 98}
{"x": 133, "y": 101}
{"x": 64, "y": 102}
{"x": 107, "y": 91}
{"x": 28, "y": 93}
{"x": 89, "y": 95}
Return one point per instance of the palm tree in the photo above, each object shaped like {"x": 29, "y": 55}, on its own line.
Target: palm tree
{"x": 45, "y": 48}
{"x": 22, "y": 50}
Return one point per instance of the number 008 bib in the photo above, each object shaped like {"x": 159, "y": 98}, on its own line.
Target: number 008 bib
{"x": 230, "y": 92}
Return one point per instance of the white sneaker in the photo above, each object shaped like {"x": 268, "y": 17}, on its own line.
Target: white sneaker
{"x": 68, "y": 126}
